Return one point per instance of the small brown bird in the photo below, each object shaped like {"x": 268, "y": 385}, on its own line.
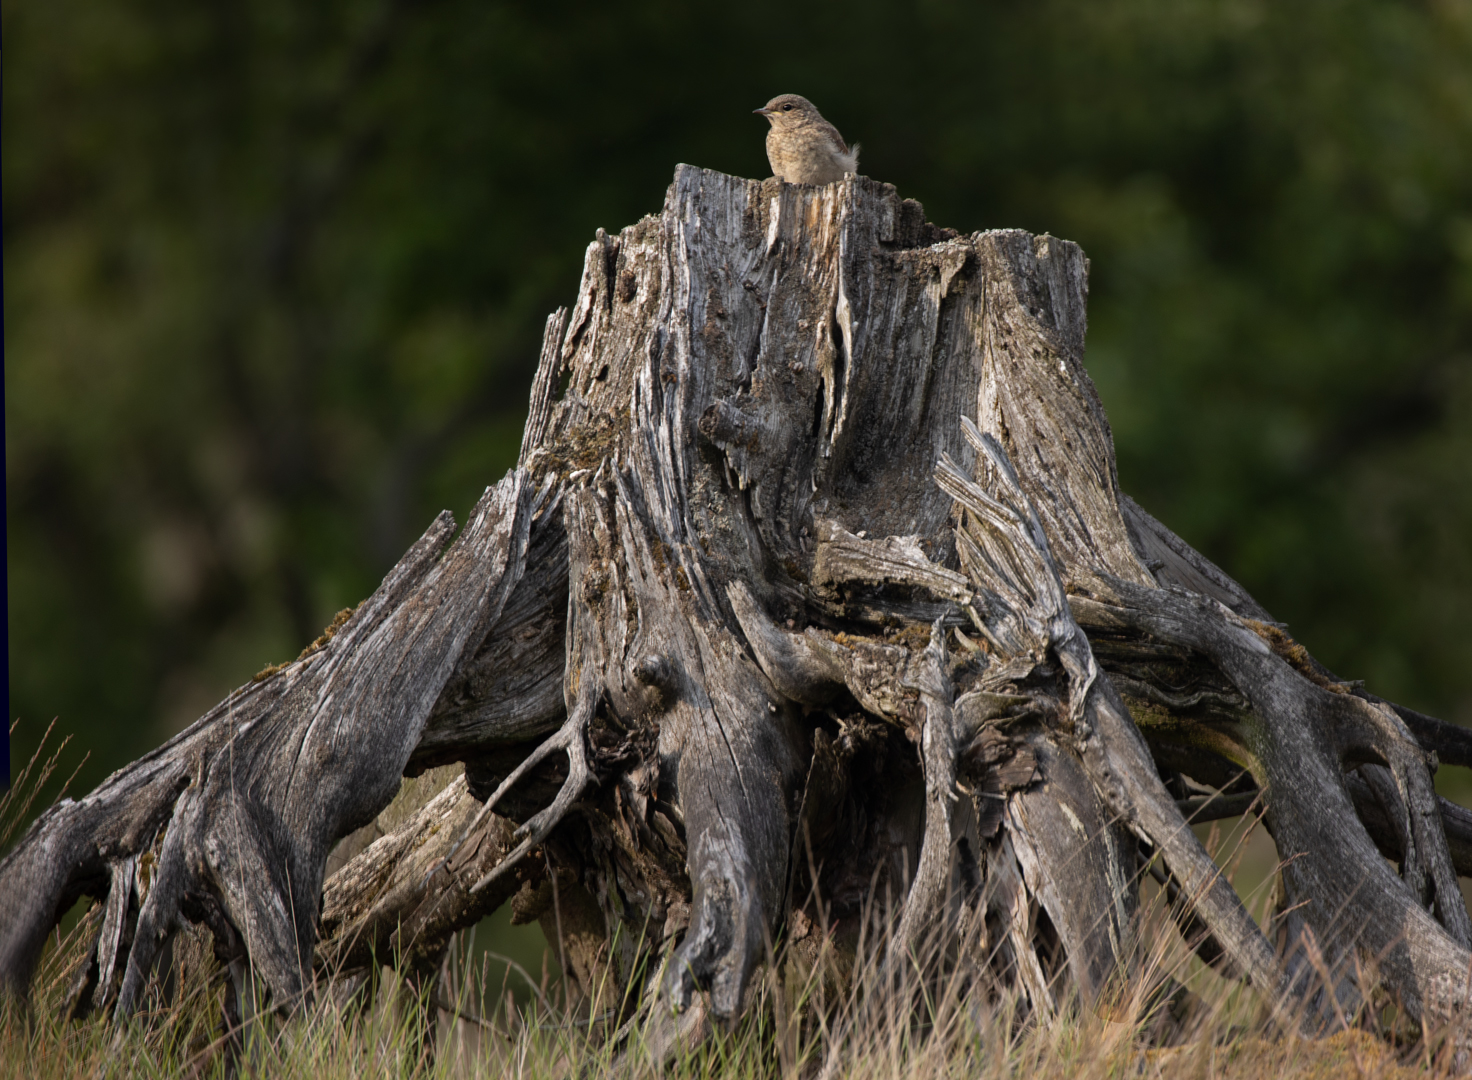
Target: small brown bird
{"x": 803, "y": 147}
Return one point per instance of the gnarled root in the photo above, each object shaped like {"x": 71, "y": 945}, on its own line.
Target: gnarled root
{"x": 1350, "y": 914}
{"x": 251, "y": 798}
{"x": 570, "y": 737}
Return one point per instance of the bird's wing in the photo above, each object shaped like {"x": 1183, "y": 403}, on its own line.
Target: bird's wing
{"x": 832, "y": 132}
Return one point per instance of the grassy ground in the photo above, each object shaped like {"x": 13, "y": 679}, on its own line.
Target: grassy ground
{"x": 386, "y": 1039}
{"x": 488, "y": 1015}
{"x": 472, "y": 1022}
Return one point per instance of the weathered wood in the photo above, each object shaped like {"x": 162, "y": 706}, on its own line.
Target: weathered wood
{"x": 1297, "y": 740}
{"x": 402, "y": 898}
{"x": 814, "y": 587}
{"x": 509, "y": 690}
{"x": 242, "y": 808}
{"x": 1003, "y": 544}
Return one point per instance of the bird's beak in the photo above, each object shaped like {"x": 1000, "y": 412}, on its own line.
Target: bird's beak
{"x": 763, "y": 111}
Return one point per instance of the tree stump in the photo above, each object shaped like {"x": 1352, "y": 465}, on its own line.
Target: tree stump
{"x": 813, "y": 583}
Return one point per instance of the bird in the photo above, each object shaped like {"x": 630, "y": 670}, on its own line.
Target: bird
{"x": 803, "y": 147}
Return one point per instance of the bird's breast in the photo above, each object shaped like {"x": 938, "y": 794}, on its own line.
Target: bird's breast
{"x": 805, "y": 156}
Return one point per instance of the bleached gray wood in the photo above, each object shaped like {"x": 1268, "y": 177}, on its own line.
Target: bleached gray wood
{"x": 1297, "y": 740}
{"x": 815, "y": 583}
{"x": 403, "y": 896}
{"x": 243, "y": 806}
{"x": 510, "y": 688}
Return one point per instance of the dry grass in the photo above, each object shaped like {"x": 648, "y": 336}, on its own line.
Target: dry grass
{"x": 881, "y": 1021}
{"x": 907, "y": 1030}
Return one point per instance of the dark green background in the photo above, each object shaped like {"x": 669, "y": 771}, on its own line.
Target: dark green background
{"x": 275, "y": 274}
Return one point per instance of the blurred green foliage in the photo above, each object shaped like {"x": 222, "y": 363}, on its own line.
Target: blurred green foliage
{"x": 275, "y": 275}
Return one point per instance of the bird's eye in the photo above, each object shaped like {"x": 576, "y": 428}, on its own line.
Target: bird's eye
{"x": 787, "y": 107}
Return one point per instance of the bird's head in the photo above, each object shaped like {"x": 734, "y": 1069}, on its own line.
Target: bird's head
{"x": 789, "y": 111}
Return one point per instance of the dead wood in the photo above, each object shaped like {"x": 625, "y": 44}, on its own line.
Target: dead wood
{"x": 814, "y": 584}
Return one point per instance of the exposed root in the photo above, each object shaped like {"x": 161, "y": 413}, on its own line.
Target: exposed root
{"x": 1020, "y": 913}
{"x": 1426, "y": 866}
{"x": 1344, "y": 908}
{"x": 1004, "y": 549}
{"x": 727, "y": 934}
{"x": 938, "y": 758}
{"x": 570, "y": 737}
{"x": 110, "y": 943}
